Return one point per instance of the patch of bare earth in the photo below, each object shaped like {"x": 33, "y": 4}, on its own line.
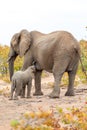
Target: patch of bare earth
{"x": 13, "y": 109}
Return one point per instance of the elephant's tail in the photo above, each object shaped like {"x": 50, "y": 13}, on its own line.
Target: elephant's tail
{"x": 83, "y": 68}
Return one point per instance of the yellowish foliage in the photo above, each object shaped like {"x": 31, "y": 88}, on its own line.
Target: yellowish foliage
{"x": 4, "y": 73}
{"x": 72, "y": 119}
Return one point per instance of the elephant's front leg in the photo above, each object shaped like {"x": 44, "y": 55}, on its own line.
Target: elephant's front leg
{"x": 38, "y": 83}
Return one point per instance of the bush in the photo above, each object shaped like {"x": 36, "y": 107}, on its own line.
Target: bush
{"x": 4, "y": 72}
{"x": 70, "y": 119}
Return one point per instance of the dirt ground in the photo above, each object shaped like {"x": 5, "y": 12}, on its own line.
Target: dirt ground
{"x": 13, "y": 109}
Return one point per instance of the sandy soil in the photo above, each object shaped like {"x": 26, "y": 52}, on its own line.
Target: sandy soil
{"x": 13, "y": 109}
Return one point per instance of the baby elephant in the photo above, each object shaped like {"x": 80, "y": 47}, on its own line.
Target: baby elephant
{"x": 19, "y": 80}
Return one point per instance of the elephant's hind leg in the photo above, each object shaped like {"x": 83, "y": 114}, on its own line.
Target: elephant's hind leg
{"x": 56, "y": 90}
{"x": 71, "y": 74}
{"x": 58, "y": 70}
{"x": 70, "y": 91}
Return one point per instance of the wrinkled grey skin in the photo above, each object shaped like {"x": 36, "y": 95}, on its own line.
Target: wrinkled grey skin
{"x": 19, "y": 80}
{"x": 56, "y": 52}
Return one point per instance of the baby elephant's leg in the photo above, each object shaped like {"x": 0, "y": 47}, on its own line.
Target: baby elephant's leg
{"x": 23, "y": 91}
{"x": 18, "y": 89}
{"x": 16, "y": 95}
{"x": 12, "y": 91}
{"x": 29, "y": 89}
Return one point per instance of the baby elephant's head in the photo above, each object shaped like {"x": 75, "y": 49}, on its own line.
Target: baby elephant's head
{"x": 32, "y": 68}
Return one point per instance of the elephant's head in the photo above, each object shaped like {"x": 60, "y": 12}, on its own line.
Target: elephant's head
{"x": 20, "y": 43}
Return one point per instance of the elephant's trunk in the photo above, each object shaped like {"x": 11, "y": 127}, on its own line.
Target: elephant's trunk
{"x": 11, "y": 67}
{"x": 11, "y": 59}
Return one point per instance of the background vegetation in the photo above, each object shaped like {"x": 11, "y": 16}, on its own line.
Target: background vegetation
{"x": 4, "y": 71}
{"x": 72, "y": 119}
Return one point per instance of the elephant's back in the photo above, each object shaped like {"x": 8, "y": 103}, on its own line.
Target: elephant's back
{"x": 55, "y": 42}
{"x": 65, "y": 40}
{"x": 17, "y": 75}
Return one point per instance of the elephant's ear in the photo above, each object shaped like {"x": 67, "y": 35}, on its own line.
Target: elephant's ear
{"x": 14, "y": 40}
{"x": 25, "y": 41}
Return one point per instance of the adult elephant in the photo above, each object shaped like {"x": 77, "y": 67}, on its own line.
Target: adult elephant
{"x": 56, "y": 52}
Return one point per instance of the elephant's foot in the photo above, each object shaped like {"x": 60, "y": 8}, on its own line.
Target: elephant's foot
{"x": 38, "y": 93}
{"x": 54, "y": 95}
{"x": 70, "y": 93}
{"x": 22, "y": 96}
{"x": 15, "y": 98}
{"x": 28, "y": 97}
{"x": 10, "y": 98}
